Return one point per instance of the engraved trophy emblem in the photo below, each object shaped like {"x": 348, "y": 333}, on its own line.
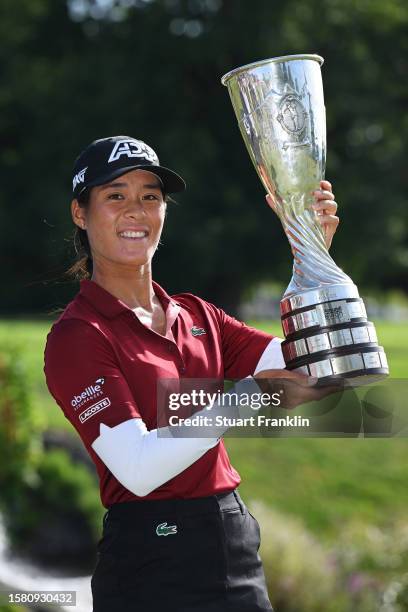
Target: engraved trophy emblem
{"x": 279, "y": 106}
{"x": 292, "y": 115}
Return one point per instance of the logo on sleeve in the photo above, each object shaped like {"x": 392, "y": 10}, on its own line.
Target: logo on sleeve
{"x": 79, "y": 178}
{"x": 94, "y": 409}
{"x": 132, "y": 148}
{"x": 89, "y": 393}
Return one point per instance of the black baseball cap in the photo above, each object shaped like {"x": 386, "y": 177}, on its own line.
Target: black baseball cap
{"x": 108, "y": 158}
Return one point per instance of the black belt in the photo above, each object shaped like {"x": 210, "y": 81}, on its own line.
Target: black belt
{"x": 130, "y": 510}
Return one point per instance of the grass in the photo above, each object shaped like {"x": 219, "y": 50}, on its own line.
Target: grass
{"x": 326, "y": 482}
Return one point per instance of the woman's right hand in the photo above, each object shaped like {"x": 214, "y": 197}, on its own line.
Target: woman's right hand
{"x": 294, "y": 388}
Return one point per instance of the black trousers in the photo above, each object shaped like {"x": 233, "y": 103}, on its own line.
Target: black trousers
{"x": 180, "y": 555}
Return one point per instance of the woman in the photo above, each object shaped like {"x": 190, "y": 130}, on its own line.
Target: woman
{"x": 177, "y": 535}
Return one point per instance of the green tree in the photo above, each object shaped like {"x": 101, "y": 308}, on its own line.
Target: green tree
{"x": 79, "y": 70}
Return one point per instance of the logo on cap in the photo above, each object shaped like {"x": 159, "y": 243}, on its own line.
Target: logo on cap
{"x": 79, "y": 178}
{"x": 133, "y": 148}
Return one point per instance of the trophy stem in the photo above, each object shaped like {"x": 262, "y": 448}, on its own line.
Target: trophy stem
{"x": 313, "y": 266}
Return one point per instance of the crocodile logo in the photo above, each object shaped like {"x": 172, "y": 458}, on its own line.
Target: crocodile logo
{"x": 164, "y": 530}
{"x": 197, "y": 331}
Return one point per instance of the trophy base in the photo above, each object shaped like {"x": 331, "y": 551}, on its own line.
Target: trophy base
{"x": 361, "y": 366}
{"x": 328, "y": 336}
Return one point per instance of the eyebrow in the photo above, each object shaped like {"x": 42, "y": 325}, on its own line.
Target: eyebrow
{"x": 118, "y": 185}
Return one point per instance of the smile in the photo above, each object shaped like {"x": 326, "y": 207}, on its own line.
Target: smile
{"x": 129, "y": 235}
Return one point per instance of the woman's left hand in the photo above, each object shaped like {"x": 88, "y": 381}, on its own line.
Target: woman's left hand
{"x": 326, "y": 209}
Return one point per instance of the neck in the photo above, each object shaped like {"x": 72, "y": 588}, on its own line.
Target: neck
{"x": 133, "y": 287}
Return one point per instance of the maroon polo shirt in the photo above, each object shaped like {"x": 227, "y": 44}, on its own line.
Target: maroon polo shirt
{"x": 102, "y": 365}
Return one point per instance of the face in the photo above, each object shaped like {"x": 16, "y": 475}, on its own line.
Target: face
{"x": 124, "y": 219}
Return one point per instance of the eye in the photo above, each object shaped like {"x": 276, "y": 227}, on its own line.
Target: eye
{"x": 151, "y": 197}
{"x": 115, "y": 196}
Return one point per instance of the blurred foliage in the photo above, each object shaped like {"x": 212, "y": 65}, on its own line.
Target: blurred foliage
{"x": 297, "y": 567}
{"x": 362, "y": 570}
{"x": 62, "y": 481}
{"x": 64, "y": 491}
{"x": 74, "y": 71}
{"x": 39, "y": 491}
{"x": 20, "y": 425}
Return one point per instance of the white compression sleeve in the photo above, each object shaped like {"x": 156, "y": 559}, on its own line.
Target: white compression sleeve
{"x": 142, "y": 461}
{"x": 272, "y": 357}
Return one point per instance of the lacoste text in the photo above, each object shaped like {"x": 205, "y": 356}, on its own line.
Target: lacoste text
{"x": 94, "y": 409}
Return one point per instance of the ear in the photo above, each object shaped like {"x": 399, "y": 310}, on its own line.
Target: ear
{"x": 78, "y": 214}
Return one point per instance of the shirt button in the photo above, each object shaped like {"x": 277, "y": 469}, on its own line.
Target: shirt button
{"x": 171, "y": 348}
{"x": 182, "y": 369}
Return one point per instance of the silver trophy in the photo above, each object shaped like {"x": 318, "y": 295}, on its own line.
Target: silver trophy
{"x": 280, "y": 109}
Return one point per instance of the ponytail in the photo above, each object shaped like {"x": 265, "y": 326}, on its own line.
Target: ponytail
{"x": 83, "y": 266}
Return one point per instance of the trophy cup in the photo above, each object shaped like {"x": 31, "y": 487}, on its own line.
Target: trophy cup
{"x": 280, "y": 109}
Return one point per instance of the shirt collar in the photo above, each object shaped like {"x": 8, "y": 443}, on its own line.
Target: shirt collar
{"x": 110, "y": 306}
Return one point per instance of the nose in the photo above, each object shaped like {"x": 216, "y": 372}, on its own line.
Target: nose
{"x": 135, "y": 207}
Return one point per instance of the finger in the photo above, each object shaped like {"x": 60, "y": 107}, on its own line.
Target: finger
{"x": 296, "y": 376}
{"x": 330, "y": 220}
{"x": 328, "y": 206}
{"x": 323, "y": 194}
{"x": 301, "y": 379}
{"x": 324, "y": 184}
{"x": 280, "y": 374}
{"x": 271, "y": 202}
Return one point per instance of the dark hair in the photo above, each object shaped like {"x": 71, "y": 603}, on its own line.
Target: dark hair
{"x": 83, "y": 265}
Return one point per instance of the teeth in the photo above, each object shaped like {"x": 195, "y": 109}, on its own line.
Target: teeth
{"x": 133, "y": 234}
